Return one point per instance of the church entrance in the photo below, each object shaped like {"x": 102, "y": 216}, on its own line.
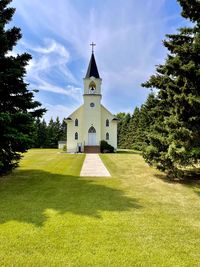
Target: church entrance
{"x": 92, "y": 136}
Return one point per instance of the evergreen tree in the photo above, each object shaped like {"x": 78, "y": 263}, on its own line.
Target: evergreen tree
{"x": 63, "y": 136}
{"x": 146, "y": 119}
{"x": 40, "y": 134}
{"x": 51, "y": 135}
{"x": 58, "y": 131}
{"x": 54, "y": 133}
{"x": 133, "y": 130}
{"x": 123, "y": 124}
{"x": 120, "y": 116}
{"x": 174, "y": 138}
{"x": 16, "y": 119}
{"x": 47, "y": 136}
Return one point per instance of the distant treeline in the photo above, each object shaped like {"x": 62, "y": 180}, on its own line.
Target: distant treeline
{"x": 47, "y": 135}
{"x": 133, "y": 129}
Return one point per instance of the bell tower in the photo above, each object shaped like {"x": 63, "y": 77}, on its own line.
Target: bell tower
{"x": 92, "y": 103}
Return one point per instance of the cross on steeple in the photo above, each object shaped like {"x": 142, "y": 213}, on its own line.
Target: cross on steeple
{"x": 93, "y": 44}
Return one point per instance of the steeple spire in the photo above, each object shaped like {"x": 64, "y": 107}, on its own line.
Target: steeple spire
{"x": 92, "y": 68}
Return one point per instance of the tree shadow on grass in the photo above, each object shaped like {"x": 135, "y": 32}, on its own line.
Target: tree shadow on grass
{"x": 197, "y": 192}
{"x": 189, "y": 177}
{"x": 27, "y": 195}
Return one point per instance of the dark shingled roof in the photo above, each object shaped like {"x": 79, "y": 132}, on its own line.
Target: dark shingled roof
{"x": 92, "y": 68}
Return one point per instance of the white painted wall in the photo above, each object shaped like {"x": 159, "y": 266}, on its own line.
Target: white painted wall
{"x": 111, "y": 129}
{"x": 72, "y": 144}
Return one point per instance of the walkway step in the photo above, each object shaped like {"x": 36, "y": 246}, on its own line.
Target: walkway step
{"x": 93, "y": 166}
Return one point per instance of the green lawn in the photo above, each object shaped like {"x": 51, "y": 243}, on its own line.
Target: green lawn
{"x": 49, "y": 216}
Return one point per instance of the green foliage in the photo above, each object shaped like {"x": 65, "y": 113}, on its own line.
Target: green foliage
{"x": 123, "y": 122}
{"x": 133, "y": 130}
{"x": 174, "y": 135}
{"x": 16, "y": 119}
{"x": 40, "y": 137}
{"x": 48, "y": 135}
{"x": 105, "y": 147}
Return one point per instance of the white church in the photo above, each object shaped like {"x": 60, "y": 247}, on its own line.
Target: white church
{"x": 91, "y": 122}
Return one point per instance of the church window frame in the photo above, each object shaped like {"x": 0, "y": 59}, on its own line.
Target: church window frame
{"x": 92, "y": 130}
{"x": 107, "y": 123}
{"x": 76, "y": 122}
{"x": 92, "y": 105}
{"x": 76, "y": 136}
{"x": 107, "y": 136}
{"x": 92, "y": 87}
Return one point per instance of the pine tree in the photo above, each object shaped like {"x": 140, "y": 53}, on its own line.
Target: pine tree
{"x": 146, "y": 119}
{"x": 47, "y": 136}
{"x": 132, "y": 135}
{"x": 54, "y": 133}
{"x": 40, "y": 134}
{"x": 123, "y": 124}
{"x": 16, "y": 119}
{"x": 63, "y": 136}
{"x": 58, "y": 131}
{"x": 174, "y": 138}
{"x": 120, "y": 116}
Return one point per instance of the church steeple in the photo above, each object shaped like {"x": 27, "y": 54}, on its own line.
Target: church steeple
{"x": 92, "y": 80}
{"x": 92, "y": 70}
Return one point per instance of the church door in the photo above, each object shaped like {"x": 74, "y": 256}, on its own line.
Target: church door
{"x": 92, "y": 136}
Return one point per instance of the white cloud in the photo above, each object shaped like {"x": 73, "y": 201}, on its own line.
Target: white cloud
{"x": 11, "y": 53}
{"x": 69, "y": 90}
{"x": 48, "y": 61}
{"x": 51, "y": 46}
{"x": 53, "y": 55}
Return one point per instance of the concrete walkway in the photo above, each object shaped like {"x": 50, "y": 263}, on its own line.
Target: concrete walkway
{"x": 93, "y": 166}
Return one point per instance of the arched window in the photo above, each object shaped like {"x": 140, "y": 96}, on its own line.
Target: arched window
{"x": 76, "y": 136}
{"x": 76, "y": 122}
{"x": 92, "y": 130}
{"x": 107, "y": 136}
{"x": 107, "y": 123}
{"x": 92, "y": 87}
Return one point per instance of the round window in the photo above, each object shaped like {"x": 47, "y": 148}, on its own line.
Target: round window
{"x": 91, "y": 105}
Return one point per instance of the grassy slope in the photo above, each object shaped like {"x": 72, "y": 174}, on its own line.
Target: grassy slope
{"x": 51, "y": 217}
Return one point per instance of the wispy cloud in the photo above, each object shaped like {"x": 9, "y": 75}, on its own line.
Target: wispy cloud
{"x": 50, "y": 57}
{"x": 49, "y": 64}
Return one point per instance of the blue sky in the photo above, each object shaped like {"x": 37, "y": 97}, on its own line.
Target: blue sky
{"x": 128, "y": 36}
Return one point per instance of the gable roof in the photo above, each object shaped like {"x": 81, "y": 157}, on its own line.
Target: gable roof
{"x": 92, "y": 68}
{"x": 114, "y": 117}
{"x": 69, "y": 117}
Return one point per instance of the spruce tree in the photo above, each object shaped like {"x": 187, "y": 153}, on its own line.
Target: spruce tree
{"x": 17, "y": 107}
{"x": 54, "y": 133}
{"x": 146, "y": 119}
{"x": 63, "y": 136}
{"x": 123, "y": 125}
{"x": 40, "y": 134}
{"x": 120, "y": 117}
{"x": 133, "y": 129}
{"x": 174, "y": 139}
